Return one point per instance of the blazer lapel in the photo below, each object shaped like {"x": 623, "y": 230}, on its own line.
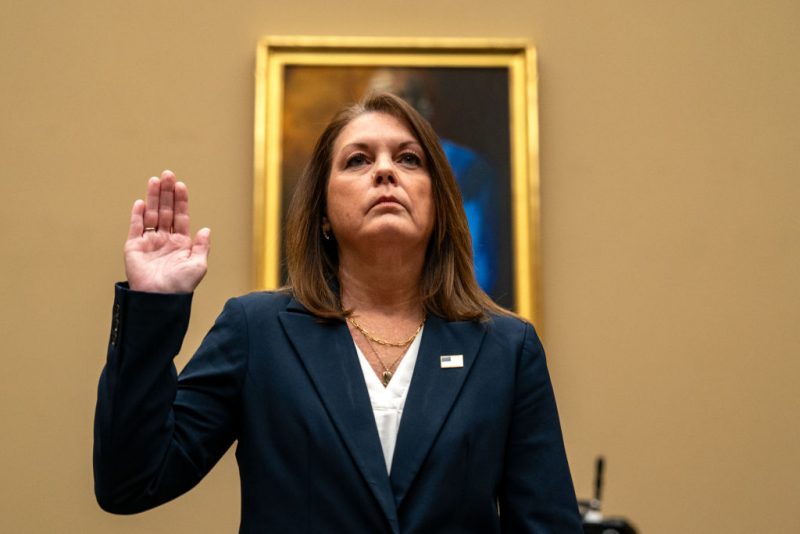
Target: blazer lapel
{"x": 328, "y": 354}
{"x": 433, "y": 391}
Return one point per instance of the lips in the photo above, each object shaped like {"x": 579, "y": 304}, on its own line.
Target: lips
{"x": 386, "y": 199}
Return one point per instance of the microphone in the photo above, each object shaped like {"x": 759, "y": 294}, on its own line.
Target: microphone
{"x": 591, "y": 510}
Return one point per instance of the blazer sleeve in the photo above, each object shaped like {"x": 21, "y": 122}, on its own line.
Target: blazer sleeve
{"x": 537, "y": 493}
{"x": 157, "y": 435}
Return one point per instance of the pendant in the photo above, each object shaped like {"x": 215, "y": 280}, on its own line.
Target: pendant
{"x": 385, "y": 377}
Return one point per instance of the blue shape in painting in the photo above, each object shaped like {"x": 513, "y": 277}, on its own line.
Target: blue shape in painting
{"x": 477, "y": 180}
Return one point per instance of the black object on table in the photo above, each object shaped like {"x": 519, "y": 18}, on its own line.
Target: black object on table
{"x": 591, "y": 510}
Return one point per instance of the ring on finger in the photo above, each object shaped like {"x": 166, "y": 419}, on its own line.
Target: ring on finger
{"x": 149, "y": 229}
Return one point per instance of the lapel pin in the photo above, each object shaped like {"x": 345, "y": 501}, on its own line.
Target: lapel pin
{"x": 451, "y": 361}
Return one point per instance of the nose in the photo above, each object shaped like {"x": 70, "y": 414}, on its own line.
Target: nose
{"x": 384, "y": 171}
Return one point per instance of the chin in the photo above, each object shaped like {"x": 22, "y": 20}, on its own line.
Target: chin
{"x": 394, "y": 233}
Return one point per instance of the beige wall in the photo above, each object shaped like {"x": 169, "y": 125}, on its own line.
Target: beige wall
{"x": 671, "y": 179}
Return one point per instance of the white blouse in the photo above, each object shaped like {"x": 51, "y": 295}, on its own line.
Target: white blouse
{"x": 387, "y": 402}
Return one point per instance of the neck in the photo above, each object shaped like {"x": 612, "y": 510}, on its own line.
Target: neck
{"x": 385, "y": 282}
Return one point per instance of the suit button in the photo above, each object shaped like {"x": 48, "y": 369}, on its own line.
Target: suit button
{"x": 114, "y": 326}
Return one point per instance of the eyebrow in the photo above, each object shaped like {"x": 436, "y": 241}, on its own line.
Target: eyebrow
{"x": 365, "y": 146}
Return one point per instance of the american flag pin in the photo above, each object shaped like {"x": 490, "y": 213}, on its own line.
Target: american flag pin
{"x": 451, "y": 361}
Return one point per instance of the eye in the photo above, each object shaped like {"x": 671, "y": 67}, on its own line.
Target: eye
{"x": 410, "y": 159}
{"x": 355, "y": 160}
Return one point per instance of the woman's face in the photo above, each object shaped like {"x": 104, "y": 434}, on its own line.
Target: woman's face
{"x": 379, "y": 190}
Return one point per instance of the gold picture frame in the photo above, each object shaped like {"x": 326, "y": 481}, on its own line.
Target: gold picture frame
{"x": 300, "y": 81}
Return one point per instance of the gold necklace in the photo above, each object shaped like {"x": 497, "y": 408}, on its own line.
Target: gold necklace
{"x": 387, "y": 373}
{"x": 379, "y": 341}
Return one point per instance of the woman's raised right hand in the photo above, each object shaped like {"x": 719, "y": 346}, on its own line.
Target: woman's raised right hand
{"x": 160, "y": 255}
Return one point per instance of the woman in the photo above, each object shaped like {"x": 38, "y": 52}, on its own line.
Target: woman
{"x": 382, "y": 312}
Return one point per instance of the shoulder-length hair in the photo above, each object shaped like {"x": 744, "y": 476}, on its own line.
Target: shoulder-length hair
{"x": 448, "y": 287}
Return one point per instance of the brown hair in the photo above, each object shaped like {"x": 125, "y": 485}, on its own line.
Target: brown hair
{"x": 448, "y": 286}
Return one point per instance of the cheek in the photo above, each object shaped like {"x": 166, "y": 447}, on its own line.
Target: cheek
{"x": 431, "y": 215}
{"x": 339, "y": 203}
{"x": 430, "y": 209}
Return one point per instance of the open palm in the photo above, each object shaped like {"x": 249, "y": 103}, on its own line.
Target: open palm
{"x": 160, "y": 255}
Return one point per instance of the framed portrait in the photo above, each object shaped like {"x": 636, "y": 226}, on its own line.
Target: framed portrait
{"x": 479, "y": 95}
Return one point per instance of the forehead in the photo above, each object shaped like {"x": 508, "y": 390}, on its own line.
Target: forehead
{"x": 374, "y": 127}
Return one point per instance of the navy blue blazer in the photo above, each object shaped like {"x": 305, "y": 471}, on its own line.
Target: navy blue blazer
{"x": 479, "y": 448}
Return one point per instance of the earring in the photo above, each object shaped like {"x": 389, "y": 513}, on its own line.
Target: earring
{"x": 326, "y": 227}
